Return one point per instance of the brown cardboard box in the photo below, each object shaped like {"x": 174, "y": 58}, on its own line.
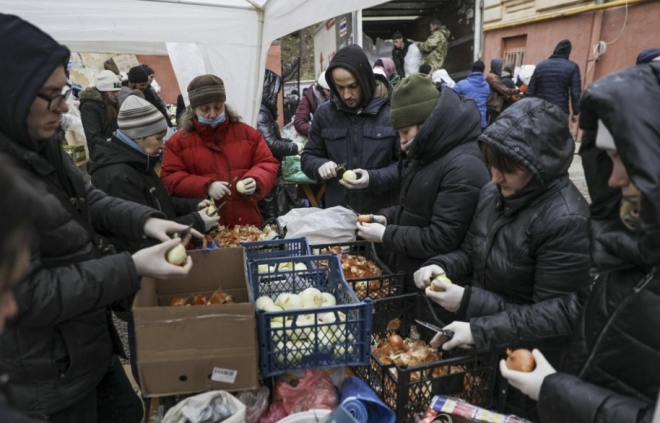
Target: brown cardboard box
{"x": 197, "y": 348}
{"x": 125, "y": 62}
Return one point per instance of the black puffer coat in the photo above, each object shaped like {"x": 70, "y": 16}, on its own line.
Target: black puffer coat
{"x": 123, "y": 172}
{"x": 532, "y": 246}
{"x": 553, "y": 78}
{"x": 97, "y": 123}
{"x": 266, "y": 120}
{"x": 362, "y": 138}
{"x": 61, "y": 342}
{"x": 610, "y": 373}
{"x": 441, "y": 188}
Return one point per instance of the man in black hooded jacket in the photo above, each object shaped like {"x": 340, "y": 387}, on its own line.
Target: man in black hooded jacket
{"x": 610, "y": 372}
{"x": 60, "y": 350}
{"x": 557, "y": 77}
{"x": 354, "y": 130}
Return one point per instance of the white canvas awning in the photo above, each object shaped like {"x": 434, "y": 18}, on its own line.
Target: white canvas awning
{"x": 228, "y": 38}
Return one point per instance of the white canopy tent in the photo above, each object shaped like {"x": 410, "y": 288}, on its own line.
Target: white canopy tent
{"x": 228, "y": 38}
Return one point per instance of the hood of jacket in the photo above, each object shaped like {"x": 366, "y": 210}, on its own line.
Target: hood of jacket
{"x": 534, "y": 133}
{"x": 627, "y": 102}
{"x": 496, "y": 66}
{"x": 563, "y": 49}
{"x": 271, "y": 89}
{"x": 117, "y": 152}
{"x": 27, "y": 68}
{"x": 90, "y": 94}
{"x": 354, "y": 59}
{"x": 477, "y": 80}
{"x": 454, "y": 121}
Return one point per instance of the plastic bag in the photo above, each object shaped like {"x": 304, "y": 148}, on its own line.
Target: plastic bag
{"x": 291, "y": 164}
{"x": 413, "y": 60}
{"x": 276, "y": 412}
{"x": 320, "y": 226}
{"x": 209, "y": 407}
{"x": 314, "y": 391}
{"x": 256, "y": 403}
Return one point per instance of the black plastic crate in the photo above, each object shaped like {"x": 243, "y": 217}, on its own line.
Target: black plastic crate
{"x": 389, "y": 284}
{"x": 409, "y": 390}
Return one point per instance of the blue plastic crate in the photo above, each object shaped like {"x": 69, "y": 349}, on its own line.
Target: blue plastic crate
{"x": 275, "y": 248}
{"x": 323, "y": 343}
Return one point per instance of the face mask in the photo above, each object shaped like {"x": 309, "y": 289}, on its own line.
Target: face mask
{"x": 629, "y": 215}
{"x": 406, "y": 147}
{"x": 212, "y": 122}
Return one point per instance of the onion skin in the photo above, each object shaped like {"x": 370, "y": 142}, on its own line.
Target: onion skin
{"x": 365, "y": 218}
{"x": 520, "y": 360}
{"x": 396, "y": 342}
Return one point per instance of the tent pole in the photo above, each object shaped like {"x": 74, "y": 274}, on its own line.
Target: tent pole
{"x": 258, "y": 81}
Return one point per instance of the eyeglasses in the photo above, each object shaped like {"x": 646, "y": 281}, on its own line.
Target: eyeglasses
{"x": 54, "y": 102}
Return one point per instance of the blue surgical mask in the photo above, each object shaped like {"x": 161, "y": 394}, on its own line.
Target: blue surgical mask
{"x": 212, "y": 122}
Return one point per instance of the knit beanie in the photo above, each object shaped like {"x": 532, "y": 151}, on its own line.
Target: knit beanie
{"x": 107, "y": 81}
{"x": 205, "y": 89}
{"x": 138, "y": 118}
{"x": 137, "y": 74}
{"x": 648, "y": 55}
{"x": 413, "y": 100}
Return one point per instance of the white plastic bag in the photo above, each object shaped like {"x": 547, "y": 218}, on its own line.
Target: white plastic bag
{"x": 413, "y": 60}
{"x": 320, "y": 226}
{"x": 209, "y": 407}
{"x": 525, "y": 73}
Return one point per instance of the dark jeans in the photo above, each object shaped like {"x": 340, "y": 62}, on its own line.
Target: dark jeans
{"x": 112, "y": 401}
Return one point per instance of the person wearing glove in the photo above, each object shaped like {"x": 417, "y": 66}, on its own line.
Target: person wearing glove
{"x": 280, "y": 147}
{"x": 354, "y": 128}
{"x": 125, "y": 168}
{"x": 442, "y": 176}
{"x": 213, "y": 150}
{"x": 63, "y": 318}
{"x": 526, "y": 251}
{"x": 608, "y": 373}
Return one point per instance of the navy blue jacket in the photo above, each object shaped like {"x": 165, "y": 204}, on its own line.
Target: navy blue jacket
{"x": 553, "y": 78}
{"x": 363, "y": 138}
{"x": 476, "y": 88}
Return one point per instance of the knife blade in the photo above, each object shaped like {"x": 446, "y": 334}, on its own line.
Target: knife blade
{"x": 213, "y": 213}
{"x": 183, "y": 234}
{"x": 449, "y": 334}
{"x": 232, "y": 182}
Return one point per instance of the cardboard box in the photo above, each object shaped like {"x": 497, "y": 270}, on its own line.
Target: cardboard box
{"x": 125, "y": 62}
{"x": 197, "y": 348}
{"x": 77, "y": 152}
{"x": 463, "y": 412}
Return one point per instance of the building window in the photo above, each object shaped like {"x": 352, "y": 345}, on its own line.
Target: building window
{"x": 514, "y": 50}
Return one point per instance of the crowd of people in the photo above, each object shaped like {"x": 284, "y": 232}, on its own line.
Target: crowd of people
{"x": 459, "y": 183}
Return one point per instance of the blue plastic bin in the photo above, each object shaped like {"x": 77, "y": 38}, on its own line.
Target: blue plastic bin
{"x": 275, "y": 248}
{"x": 328, "y": 341}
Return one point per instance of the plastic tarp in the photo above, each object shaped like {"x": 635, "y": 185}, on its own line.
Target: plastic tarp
{"x": 232, "y": 36}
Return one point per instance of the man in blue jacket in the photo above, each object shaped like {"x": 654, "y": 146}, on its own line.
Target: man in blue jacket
{"x": 354, "y": 130}
{"x": 476, "y": 88}
{"x": 555, "y": 78}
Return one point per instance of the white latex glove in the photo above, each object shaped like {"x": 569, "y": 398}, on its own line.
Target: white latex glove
{"x": 203, "y": 204}
{"x": 360, "y": 183}
{"x": 450, "y": 299}
{"x": 152, "y": 262}
{"x": 250, "y": 186}
{"x": 371, "y": 231}
{"x": 377, "y": 218}
{"x": 529, "y": 383}
{"x": 210, "y": 222}
{"x": 219, "y": 189}
{"x": 328, "y": 170}
{"x": 462, "y": 336}
{"x": 300, "y": 147}
{"x": 162, "y": 230}
{"x": 426, "y": 274}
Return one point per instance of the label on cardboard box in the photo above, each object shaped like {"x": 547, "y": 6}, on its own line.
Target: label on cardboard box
{"x": 224, "y": 375}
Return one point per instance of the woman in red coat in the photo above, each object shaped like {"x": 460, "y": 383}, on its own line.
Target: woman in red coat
{"x": 213, "y": 151}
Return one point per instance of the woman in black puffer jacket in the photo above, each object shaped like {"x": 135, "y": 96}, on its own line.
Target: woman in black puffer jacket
{"x": 528, "y": 240}
{"x": 610, "y": 372}
{"x": 443, "y": 176}
{"x": 99, "y": 109}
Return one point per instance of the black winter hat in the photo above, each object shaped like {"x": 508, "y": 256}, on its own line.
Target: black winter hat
{"x": 137, "y": 74}
{"x": 648, "y": 55}
{"x": 148, "y": 69}
{"x": 353, "y": 59}
{"x": 563, "y": 48}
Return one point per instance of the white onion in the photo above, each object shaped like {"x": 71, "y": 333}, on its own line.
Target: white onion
{"x": 311, "y": 297}
{"x": 292, "y": 302}
{"x": 262, "y": 302}
{"x": 328, "y": 299}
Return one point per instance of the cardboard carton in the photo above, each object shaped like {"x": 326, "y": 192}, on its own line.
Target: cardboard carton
{"x": 444, "y": 409}
{"x": 197, "y": 348}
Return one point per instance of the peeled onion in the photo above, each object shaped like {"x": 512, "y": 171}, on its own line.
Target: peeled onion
{"x": 310, "y": 298}
{"x": 177, "y": 255}
{"x": 349, "y": 175}
{"x": 328, "y": 299}
{"x": 240, "y": 187}
{"x": 292, "y": 302}
{"x": 439, "y": 278}
{"x": 262, "y": 302}
{"x": 521, "y": 360}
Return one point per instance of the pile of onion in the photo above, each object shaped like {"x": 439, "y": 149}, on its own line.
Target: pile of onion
{"x": 521, "y": 360}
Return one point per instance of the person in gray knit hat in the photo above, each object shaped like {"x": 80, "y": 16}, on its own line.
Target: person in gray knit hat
{"x": 216, "y": 155}
{"x": 442, "y": 175}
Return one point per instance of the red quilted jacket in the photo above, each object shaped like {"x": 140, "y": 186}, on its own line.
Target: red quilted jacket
{"x": 193, "y": 160}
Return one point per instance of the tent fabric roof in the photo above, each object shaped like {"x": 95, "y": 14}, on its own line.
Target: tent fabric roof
{"x": 232, "y": 36}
